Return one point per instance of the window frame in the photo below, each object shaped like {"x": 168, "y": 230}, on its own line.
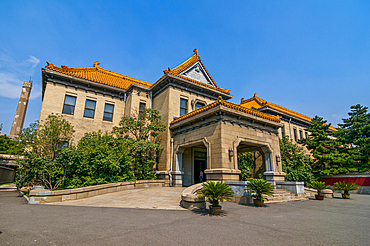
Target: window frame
{"x": 64, "y": 104}
{"x": 106, "y": 112}
{"x": 282, "y": 132}
{"x": 90, "y": 108}
{"x": 199, "y": 102}
{"x": 141, "y": 110}
{"x": 182, "y": 108}
{"x": 295, "y": 134}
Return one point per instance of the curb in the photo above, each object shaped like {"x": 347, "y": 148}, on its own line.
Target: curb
{"x": 24, "y": 196}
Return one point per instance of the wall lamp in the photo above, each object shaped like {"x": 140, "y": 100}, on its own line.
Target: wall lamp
{"x": 231, "y": 152}
{"x": 278, "y": 159}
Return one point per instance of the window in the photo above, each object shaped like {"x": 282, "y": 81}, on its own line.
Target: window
{"x": 305, "y": 133}
{"x": 69, "y": 105}
{"x": 199, "y": 105}
{"x": 141, "y": 109}
{"x": 282, "y": 132}
{"x": 89, "y": 108}
{"x": 108, "y": 112}
{"x": 183, "y": 106}
{"x": 300, "y": 134}
{"x": 295, "y": 134}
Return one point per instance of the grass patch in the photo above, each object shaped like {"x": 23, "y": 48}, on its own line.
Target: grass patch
{"x": 8, "y": 183}
{"x": 26, "y": 193}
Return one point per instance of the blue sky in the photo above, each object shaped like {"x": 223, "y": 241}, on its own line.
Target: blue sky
{"x": 310, "y": 56}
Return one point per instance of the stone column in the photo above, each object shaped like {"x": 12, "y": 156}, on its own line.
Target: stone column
{"x": 177, "y": 173}
{"x": 20, "y": 114}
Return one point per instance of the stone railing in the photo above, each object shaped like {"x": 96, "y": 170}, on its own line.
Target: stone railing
{"x": 40, "y": 196}
{"x": 293, "y": 187}
{"x": 190, "y": 199}
{"x": 241, "y": 193}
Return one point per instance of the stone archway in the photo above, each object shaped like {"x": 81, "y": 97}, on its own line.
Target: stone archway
{"x": 188, "y": 163}
{"x": 254, "y": 144}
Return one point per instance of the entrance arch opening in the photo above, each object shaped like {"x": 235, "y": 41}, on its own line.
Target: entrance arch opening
{"x": 192, "y": 161}
{"x": 253, "y": 160}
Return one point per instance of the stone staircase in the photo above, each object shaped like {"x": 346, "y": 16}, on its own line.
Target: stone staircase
{"x": 281, "y": 196}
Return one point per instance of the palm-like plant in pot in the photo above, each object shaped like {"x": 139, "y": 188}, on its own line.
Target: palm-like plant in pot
{"x": 260, "y": 187}
{"x": 345, "y": 187}
{"x": 319, "y": 186}
{"x": 216, "y": 192}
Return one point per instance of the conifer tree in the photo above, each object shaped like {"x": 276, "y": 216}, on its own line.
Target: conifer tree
{"x": 323, "y": 146}
{"x": 354, "y": 134}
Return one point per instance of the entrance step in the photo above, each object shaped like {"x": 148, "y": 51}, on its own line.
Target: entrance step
{"x": 281, "y": 196}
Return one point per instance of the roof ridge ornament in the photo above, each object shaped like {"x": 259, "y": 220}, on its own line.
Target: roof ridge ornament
{"x": 96, "y": 64}
{"x": 196, "y": 52}
{"x": 220, "y": 98}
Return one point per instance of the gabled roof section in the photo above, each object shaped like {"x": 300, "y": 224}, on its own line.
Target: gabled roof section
{"x": 194, "y": 70}
{"x": 258, "y": 103}
{"x": 99, "y": 75}
{"x": 220, "y": 101}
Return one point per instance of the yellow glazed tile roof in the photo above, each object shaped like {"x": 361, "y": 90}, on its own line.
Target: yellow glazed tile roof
{"x": 258, "y": 103}
{"x": 99, "y": 75}
{"x": 220, "y": 101}
{"x": 188, "y": 63}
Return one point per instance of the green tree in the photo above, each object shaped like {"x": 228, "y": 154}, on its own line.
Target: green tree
{"x": 98, "y": 159}
{"x": 52, "y": 134}
{"x": 245, "y": 165}
{"x": 323, "y": 147}
{"x": 140, "y": 135}
{"x": 296, "y": 164}
{"x": 354, "y": 134}
{"x": 8, "y": 145}
{"x": 43, "y": 142}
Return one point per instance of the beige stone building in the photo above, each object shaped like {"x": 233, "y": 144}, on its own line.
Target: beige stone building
{"x": 204, "y": 132}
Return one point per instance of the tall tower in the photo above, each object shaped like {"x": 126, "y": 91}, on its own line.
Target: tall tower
{"x": 20, "y": 114}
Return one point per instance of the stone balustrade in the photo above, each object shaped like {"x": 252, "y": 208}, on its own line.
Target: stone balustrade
{"x": 40, "y": 196}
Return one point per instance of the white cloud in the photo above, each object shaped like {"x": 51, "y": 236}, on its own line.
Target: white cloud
{"x": 13, "y": 73}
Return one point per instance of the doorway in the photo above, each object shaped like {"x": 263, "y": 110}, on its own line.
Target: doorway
{"x": 200, "y": 164}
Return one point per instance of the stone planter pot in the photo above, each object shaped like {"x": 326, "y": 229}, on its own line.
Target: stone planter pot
{"x": 258, "y": 203}
{"x": 215, "y": 210}
{"x": 319, "y": 197}
{"x": 346, "y": 196}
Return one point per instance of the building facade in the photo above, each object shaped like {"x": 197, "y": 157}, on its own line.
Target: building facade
{"x": 294, "y": 124}
{"x": 204, "y": 132}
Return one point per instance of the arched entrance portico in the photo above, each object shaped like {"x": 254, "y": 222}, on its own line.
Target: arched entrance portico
{"x": 224, "y": 129}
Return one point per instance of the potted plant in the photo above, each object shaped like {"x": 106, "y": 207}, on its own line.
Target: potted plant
{"x": 216, "y": 192}
{"x": 260, "y": 187}
{"x": 319, "y": 186}
{"x": 345, "y": 187}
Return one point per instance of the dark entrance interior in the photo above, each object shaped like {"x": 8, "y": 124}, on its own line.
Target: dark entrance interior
{"x": 199, "y": 165}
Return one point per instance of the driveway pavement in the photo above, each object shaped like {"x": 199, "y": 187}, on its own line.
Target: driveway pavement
{"x": 328, "y": 222}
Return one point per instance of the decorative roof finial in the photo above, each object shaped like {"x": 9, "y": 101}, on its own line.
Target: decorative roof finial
{"x": 196, "y": 52}
{"x": 255, "y": 94}
{"x": 220, "y": 98}
{"x": 242, "y": 100}
{"x": 96, "y": 64}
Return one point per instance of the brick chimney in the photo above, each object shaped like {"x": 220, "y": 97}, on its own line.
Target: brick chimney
{"x": 20, "y": 114}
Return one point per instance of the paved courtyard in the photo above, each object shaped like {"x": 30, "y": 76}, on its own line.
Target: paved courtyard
{"x": 148, "y": 198}
{"x": 328, "y": 222}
